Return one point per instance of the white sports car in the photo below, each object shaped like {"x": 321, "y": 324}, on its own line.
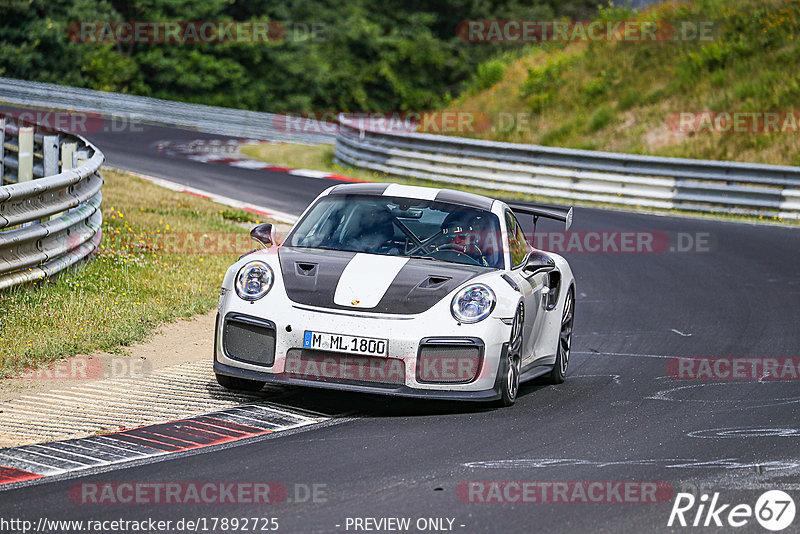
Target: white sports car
{"x": 399, "y": 290}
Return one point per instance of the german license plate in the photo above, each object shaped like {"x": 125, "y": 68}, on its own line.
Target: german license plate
{"x": 342, "y": 343}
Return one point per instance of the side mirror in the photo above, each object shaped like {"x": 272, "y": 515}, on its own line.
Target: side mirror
{"x": 538, "y": 262}
{"x": 264, "y": 233}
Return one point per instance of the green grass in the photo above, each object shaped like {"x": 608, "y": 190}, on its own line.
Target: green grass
{"x": 153, "y": 267}
{"x": 316, "y": 157}
{"x": 618, "y": 96}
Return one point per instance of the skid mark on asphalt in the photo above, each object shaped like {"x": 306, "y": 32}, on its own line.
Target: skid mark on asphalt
{"x": 758, "y": 432}
{"x": 598, "y": 353}
{"x": 756, "y": 479}
{"x": 617, "y": 379}
{"x": 174, "y": 392}
{"x": 31, "y": 462}
{"x": 671, "y": 463}
{"x": 747, "y": 398}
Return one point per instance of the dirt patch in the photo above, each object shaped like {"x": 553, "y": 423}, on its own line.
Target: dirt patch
{"x": 179, "y": 342}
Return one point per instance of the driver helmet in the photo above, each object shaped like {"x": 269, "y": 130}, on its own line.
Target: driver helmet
{"x": 461, "y": 229}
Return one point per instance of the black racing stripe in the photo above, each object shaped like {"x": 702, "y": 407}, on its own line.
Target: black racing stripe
{"x": 359, "y": 189}
{"x": 421, "y": 284}
{"x": 418, "y": 286}
{"x": 313, "y": 286}
{"x": 465, "y": 199}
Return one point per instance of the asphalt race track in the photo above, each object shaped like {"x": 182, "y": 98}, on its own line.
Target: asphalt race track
{"x": 625, "y": 412}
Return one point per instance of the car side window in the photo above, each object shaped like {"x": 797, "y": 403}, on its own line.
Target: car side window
{"x": 522, "y": 240}
{"x": 516, "y": 241}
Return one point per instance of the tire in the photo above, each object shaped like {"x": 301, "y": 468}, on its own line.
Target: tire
{"x": 239, "y": 384}
{"x": 561, "y": 365}
{"x": 510, "y": 366}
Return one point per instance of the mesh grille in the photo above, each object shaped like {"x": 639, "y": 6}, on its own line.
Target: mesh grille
{"x": 448, "y": 364}
{"x": 249, "y": 343}
{"x": 347, "y": 368}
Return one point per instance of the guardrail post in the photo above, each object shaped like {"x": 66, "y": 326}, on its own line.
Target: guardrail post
{"x": 2, "y": 148}
{"x": 50, "y": 154}
{"x": 50, "y": 161}
{"x": 25, "y": 154}
{"x": 67, "y": 156}
{"x": 25, "y": 158}
{"x": 68, "y": 161}
{"x": 79, "y": 158}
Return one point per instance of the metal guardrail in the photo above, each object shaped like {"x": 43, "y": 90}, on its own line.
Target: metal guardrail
{"x": 223, "y": 121}
{"x": 50, "y": 195}
{"x": 583, "y": 175}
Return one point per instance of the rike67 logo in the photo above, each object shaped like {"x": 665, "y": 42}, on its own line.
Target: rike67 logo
{"x": 774, "y": 510}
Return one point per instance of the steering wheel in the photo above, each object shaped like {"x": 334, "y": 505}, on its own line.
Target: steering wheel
{"x": 471, "y": 249}
{"x": 461, "y": 249}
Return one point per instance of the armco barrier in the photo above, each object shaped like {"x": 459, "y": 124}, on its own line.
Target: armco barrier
{"x": 622, "y": 179}
{"x": 50, "y": 194}
{"x": 223, "y": 121}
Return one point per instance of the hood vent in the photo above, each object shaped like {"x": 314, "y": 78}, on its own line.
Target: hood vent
{"x": 433, "y": 282}
{"x": 306, "y": 269}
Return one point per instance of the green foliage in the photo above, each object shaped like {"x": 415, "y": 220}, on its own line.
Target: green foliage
{"x": 709, "y": 55}
{"x": 361, "y": 55}
{"x": 488, "y": 74}
{"x": 740, "y": 34}
{"x": 542, "y": 83}
{"x": 629, "y": 99}
{"x": 601, "y": 118}
{"x": 599, "y": 86}
{"x": 611, "y": 12}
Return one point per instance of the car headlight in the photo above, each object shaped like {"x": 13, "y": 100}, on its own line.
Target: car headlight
{"x": 254, "y": 280}
{"x": 473, "y": 303}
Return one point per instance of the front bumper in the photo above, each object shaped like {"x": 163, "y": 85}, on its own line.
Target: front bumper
{"x": 405, "y": 340}
{"x": 399, "y": 391}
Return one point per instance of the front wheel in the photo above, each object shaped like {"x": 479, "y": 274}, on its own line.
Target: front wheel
{"x": 239, "y": 384}
{"x": 510, "y": 366}
{"x": 559, "y": 372}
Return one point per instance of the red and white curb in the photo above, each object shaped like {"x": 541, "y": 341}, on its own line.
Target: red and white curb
{"x": 227, "y": 153}
{"x": 33, "y": 462}
{"x": 263, "y": 211}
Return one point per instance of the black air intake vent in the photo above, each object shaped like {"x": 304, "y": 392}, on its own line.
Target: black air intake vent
{"x": 306, "y": 269}
{"x": 249, "y": 339}
{"x": 434, "y": 281}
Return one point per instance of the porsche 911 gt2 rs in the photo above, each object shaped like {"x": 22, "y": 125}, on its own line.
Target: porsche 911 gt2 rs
{"x": 400, "y": 290}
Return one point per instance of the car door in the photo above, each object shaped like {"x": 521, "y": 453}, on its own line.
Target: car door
{"x": 530, "y": 286}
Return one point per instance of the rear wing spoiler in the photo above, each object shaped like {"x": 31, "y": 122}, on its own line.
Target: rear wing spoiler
{"x": 559, "y": 214}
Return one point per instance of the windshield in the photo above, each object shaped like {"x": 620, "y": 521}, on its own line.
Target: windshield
{"x": 402, "y": 227}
